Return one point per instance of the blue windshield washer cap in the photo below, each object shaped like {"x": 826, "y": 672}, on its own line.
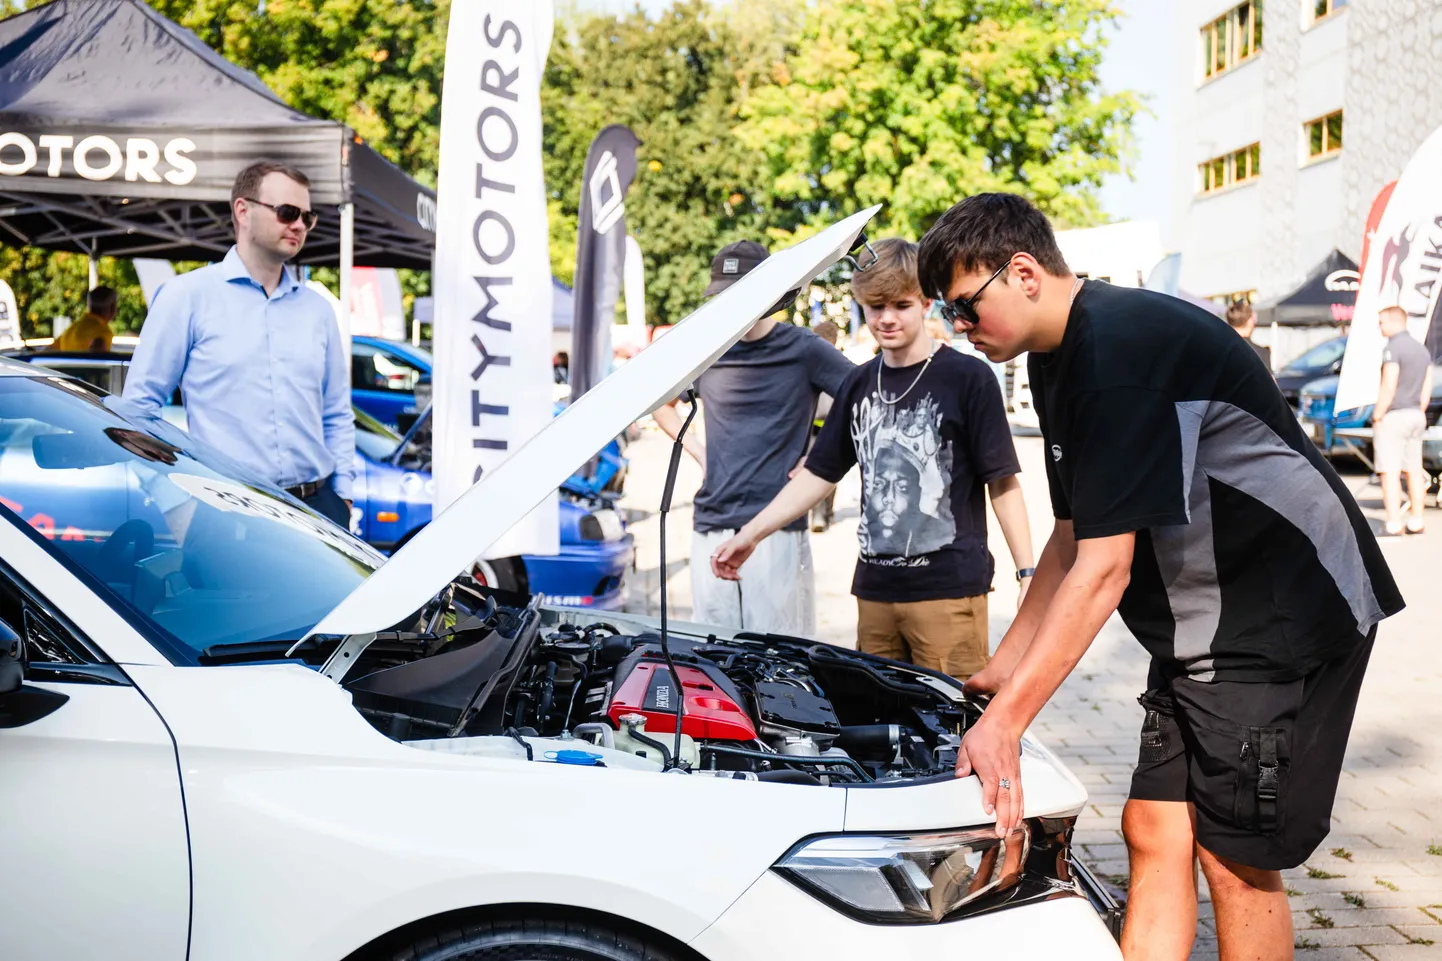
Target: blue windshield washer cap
{"x": 582, "y": 758}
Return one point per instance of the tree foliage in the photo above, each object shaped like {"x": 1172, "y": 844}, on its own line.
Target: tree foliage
{"x": 758, "y": 118}
{"x": 676, "y": 82}
{"x": 916, "y": 105}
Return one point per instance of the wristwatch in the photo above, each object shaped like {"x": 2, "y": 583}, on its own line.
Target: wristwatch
{"x": 1024, "y": 573}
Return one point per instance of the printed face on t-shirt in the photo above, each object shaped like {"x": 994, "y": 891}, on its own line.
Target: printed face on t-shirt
{"x": 907, "y": 469}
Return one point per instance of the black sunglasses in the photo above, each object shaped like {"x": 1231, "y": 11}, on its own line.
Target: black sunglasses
{"x": 288, "y": 213}
{"x": 963, "y": 310}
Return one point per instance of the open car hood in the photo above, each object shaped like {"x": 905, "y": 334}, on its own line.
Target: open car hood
{"x": 448, "y": 545}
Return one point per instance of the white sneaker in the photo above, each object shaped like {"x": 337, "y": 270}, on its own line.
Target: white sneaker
{"x": 1415, "y": 525}
{"x": 1392, "y": 529}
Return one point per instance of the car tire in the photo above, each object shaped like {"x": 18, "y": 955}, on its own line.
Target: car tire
{"x": 502, "y": 573}
{"x": 548, "y": 940}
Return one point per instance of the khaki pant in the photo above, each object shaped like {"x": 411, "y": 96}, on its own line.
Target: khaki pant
{"x": 948, "y": 635}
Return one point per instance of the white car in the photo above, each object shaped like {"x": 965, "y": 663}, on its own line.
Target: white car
{"x": 229, "y": 730}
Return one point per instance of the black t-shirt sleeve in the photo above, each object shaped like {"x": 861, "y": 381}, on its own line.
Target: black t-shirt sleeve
{"x": 993, "y": 455}
{"x": 827, "y": 365}
{"x": 1124, "y": 458}
{"x": 834, "y": 453}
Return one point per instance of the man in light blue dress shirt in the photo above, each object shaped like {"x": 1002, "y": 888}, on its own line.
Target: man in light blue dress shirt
{"x": 256, "y": 354}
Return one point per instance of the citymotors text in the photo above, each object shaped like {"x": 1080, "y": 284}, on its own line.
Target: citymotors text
{"x": 98, "y": 157}
{"x": 492, "y": 233}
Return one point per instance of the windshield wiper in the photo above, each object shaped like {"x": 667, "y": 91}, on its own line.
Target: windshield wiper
{"x": 242, "y": 651}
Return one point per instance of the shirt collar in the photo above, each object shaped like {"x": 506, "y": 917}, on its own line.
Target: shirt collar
{"x": 232, "y": 268}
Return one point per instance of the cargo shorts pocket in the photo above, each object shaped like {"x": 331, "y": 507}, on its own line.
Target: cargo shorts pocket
{"x": 1160, "y": 740}
{"x": 1238, "y": 775}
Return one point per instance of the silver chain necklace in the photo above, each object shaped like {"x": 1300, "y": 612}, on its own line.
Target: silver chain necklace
{"x": 891, "y": 401}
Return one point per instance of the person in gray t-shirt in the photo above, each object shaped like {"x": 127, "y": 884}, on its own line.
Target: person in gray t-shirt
{"x": 758, "y": 402}
{"x": 1399, "y": 420}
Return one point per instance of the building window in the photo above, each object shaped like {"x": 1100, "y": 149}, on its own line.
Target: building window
{"x": 1232, "y": 39}
{"x": 1322, "y": 9}
{"x": 1324, "y": 135}
{"x": 1230, "y": 169}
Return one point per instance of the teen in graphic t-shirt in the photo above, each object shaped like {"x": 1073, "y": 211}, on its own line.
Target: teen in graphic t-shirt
{"x": 927, "y": 426}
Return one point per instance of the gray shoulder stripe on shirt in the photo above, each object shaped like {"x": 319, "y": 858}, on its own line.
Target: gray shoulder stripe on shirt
{"x": 1242, "y": 452}
{"x": 1187, "y": 562}
{"x": 1190, "y": 414}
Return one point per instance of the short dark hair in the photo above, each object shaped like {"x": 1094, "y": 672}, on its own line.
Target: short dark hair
{"x": 983, "y": 232}
{"x": 102, "y": 300}
{"x": 827, "y": 331}
{"x": 1238, "y": 313}
{"x": 247, "y": 182}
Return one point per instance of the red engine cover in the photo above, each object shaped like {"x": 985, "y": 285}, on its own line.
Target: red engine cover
{"x": 711, "y": 713}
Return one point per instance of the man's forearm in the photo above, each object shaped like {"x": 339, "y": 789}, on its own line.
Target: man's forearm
{"x": 801, "y": 493}
{"x": 1010, "y": 507}
{"x": 1051, "y": 570}
{"x": 1386, "y": 390}
{"x": 1081, "y": 604}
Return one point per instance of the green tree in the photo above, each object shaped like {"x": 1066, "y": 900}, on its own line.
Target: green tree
{"x": 373, "y": 64}
{"x": 915, "y": 105}
{"x": 676, "y": 81}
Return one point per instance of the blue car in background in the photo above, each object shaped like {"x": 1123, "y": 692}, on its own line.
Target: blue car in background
{"x": 1321, "y": 422}
{"x": 384, "y": 375}
{"x": 393, "y": 495}
{"x": 391, "y": 381}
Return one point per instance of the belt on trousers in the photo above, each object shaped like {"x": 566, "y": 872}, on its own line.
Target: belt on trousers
{"x": 308, "y": 489}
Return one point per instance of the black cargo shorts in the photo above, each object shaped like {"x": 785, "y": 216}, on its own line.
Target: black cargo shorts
{"x": 1258, "y": 760}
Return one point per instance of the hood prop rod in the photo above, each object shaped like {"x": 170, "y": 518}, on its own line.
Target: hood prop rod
{"x": 674, "y": 761}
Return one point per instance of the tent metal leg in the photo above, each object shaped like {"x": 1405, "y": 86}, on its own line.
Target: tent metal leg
{"x": 94, "y": 272}
{"x": 347, "y": 262}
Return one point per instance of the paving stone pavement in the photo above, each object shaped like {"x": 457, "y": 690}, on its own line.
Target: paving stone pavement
{"x": 1374, "y": 889}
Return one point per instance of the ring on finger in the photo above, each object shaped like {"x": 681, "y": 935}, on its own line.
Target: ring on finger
{"x": 1004, "y": 784}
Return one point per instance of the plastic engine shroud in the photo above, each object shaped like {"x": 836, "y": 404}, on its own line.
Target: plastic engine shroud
{"x": 713, "y": 710}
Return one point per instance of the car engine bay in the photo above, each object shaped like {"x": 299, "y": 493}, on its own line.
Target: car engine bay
{"x": 757, "y": 707}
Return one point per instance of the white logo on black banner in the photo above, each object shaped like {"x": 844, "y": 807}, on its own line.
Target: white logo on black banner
{"x": 607, "y": 205}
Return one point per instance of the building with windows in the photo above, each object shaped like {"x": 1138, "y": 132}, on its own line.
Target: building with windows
{"x": 1289, "y": 117}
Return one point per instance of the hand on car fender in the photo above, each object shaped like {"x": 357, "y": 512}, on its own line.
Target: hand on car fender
{"x": 727, "y": 559}
{"x": 994, "y": 755}
{"x": 986, "y": 681}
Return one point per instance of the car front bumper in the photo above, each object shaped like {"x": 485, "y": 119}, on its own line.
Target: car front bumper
{"x": 775, "y": 919}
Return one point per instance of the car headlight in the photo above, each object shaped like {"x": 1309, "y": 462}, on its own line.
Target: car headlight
{"x": 919, "y": 878}
{"x": 934, "y": 877}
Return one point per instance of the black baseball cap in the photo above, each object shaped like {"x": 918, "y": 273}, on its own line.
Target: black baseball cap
{"x": 734, "y": 262}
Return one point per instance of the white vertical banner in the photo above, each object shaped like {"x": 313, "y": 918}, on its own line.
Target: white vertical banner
{"x": 1404, "y": 261}
{"x": 492, "y": 279}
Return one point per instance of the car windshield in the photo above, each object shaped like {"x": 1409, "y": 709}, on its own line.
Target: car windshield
{"x": 374, "y": 439}
{"x": 1324, "y": 354}
{"x": 185, "y": 543}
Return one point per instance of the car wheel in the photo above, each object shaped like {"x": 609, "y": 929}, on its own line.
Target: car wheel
{"x": 531, "y": 941}
{"x": 502, "y": 573}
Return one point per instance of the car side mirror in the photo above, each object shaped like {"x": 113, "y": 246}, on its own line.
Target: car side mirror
{"x": 12, "y": 660}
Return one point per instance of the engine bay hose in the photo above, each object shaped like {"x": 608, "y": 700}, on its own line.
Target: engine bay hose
{"x": 818, "y": 761}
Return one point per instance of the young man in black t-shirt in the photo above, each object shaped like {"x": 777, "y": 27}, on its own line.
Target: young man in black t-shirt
{"x": 1188, "y": 499}
{"x": 928, "y": 428}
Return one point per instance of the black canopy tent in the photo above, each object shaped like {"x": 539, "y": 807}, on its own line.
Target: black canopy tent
{"x": 1326, "y": 298}
{"x": 121, "y": 134}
